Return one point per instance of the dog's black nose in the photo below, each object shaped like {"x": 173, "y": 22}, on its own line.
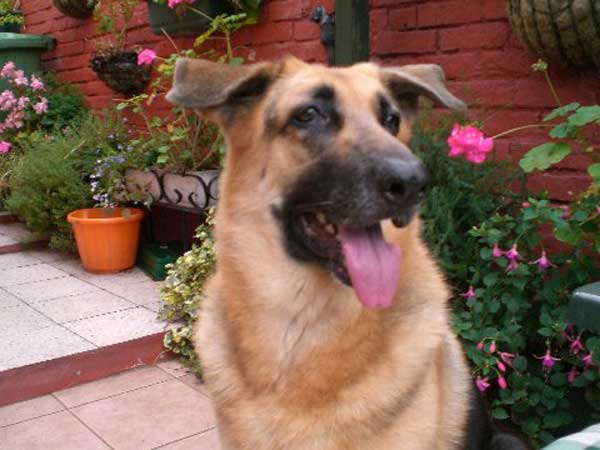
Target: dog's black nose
{"x": 402, "y": 180}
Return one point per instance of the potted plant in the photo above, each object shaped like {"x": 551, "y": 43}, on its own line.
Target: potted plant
{"x": 114, "y": 64}
{"x": 177, "y": 17}
{"x": 11, "y": 19}
{"x": 79, "y": 9}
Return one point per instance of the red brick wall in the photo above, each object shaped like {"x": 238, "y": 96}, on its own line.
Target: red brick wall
{"x": 484, "y": 62}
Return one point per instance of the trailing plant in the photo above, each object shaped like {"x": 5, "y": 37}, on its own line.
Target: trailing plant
{"x": 182, "y": 294}
{"x": 10, "y": 14}
{"x": 113, "y": 19}
{"x": 249, "y": 8}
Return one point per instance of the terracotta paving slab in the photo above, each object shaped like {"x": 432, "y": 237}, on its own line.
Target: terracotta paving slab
{"x": 82, "y": 306}
{"x": 155, "y": 416}
{"x": 117, "y": 327}
{"x": 40, "y": 345}
{"x": 111, "y": 386}
{"x": 56, "y": 431}
{"x": 29, "y": 409}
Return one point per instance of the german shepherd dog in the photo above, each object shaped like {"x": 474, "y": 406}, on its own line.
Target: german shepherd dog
{"x": 325, "y": 325}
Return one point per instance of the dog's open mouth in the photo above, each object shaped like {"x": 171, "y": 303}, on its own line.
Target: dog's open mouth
{"x": 359, "y": 257}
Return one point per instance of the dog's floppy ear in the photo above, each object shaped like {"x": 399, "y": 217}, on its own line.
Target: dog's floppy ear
{"x": 222, "y": 88}
{"x": 406, "y": 83}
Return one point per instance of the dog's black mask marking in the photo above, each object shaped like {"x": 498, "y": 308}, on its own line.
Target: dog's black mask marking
{"x": 349, "y": 192}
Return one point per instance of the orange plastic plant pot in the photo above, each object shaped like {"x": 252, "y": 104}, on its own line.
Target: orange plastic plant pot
{"x": 107, "y": 238}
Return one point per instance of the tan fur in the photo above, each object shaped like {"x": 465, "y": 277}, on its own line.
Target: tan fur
{"x": 292, "y": 360}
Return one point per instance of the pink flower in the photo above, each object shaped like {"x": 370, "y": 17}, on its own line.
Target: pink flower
{"x": 587, "y": 359}
{"x": 501, "y": 366}
{"x": 8, "y": 70}
{"x": 175, "y": 3}
{"x": 512, "y": 253}
{"x": 470, "y": 142}
{"x": 482, "y": 383}
{"x": 502, "y": 382}
{"x": 507, "y": 357}
{"x": 41, "y": 106}
{"x": 146, "y": 56}
{"x": 22, "y": 103}
{"x": 480, "y": 346}
{"x": 566, "y": 211}
{"x": 548, "y": 361}
{"x": 512, "y": 265}
{"x": 572, "y": 374}
{"x": 493, "y": 347}
{"x": 20, "y": 78}
{"x": 5, "y": 147}
{"x": 542, "y": 262}
{"x": 37, "y": 84}
{"x": 7, "y": 100}
{"x": 576, "y": 345}
{"x": 497, "y": 252}
{"x": 469, "y": 294}
{"x": 526, "y": 205}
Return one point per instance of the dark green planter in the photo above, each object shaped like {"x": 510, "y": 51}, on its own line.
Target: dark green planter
{"x": 12, "y": 27}
{"x": 161, "y": 17}
{"x": 25, "y": 50}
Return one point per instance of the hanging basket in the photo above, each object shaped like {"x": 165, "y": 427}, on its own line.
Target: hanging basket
{"x": 121, "y": 72}
{"x": 176, "y": 23}
{"x": 564, "y": 32}
{"x": 79, "y": 9}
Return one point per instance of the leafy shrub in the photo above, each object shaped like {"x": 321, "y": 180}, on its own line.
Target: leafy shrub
{"x": 182, "y": 294}
{"x": 65, "y": 104}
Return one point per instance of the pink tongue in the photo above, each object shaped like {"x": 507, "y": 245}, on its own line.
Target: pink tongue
{"x": 373, "y": 265}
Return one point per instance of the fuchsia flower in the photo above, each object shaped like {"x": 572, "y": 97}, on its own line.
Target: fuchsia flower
{"x": 470, "y": 142}
{"x": 41, "y": 106}
{"x": 37, "y": 84}
{"x": 587, "y": 359}
{"x": 502, "y": 382}
{"x": 5, "y": 147}
{"x": 566, "y": 211}
{"x": 480, "y": 346}
{"x": 175, "y": 3}
{"x": 542, "y": 262}
{"x": 469, "y": 294}
{"x": 146, "y": 56}
{"x": 526, "y": 205}
{"x": 482, "y": 383}
{"x": 497, "y": 252}
{"x": 507, "y": 357}
{"x": 576, "y": 345}
{"x": 501, "y": 366}
{"x": 548, "y": 361}
{"x": 493, "y": 347}
{"x": 572, "y": 374}
{"x": 513, "y": 256}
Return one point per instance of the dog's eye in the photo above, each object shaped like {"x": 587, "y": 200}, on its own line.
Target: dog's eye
{"x": 392, "y": 123}
{"x": 306, "y": 115}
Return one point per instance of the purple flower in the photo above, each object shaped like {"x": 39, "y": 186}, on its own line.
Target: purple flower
{"x": 497, "y": 252}
{"x": 576, "y": 345}
{"x": 542, "y": 262}
{"x": 512, "y": 253}
{"x": 548, "y": 361}
{"x": 587, "y": 359}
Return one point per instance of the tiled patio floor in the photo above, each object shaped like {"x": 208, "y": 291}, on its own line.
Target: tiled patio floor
{"x": 151, "y": 407}
{"x": 50, "y": 307}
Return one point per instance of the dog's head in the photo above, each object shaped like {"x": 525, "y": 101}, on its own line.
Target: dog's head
{"x": 324, "y": 152}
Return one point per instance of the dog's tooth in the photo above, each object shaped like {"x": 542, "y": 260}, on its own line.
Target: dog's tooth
{"x": 321, "y": 218}
{"x": 331, "y": 229}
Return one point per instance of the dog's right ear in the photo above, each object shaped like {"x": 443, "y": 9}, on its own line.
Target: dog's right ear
{"x": 220, "y": 91}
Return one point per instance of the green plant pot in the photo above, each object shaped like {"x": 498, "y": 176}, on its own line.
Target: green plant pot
{"x": 79, "y": 9}
{"x": 25, "y": 50}
{"x": 12, "y": 27}
{"x": 161, "y": 17}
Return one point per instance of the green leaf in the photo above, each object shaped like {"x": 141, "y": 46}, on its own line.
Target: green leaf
{"x": 557, "y": 419}
{"x": 561, "y": 111}
{"x": 594, "y": 172}
{"x": 500, "y": 414}
{"x": 162, "y": 159}
{"x": 564, "y": 232}
{"x": 543, "y": 156}
{"x": 585, "y": 115}
{"x": 562, "y": 130}
{"x": 490, "y": 279}
{"x": 121, "y": 106}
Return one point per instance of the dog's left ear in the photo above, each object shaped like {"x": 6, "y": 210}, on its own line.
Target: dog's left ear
{"x": 407, "y": 83}
{"x": 219, "y": 90}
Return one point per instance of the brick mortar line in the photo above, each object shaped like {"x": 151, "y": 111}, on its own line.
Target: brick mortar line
{"x": 89, "y": 428}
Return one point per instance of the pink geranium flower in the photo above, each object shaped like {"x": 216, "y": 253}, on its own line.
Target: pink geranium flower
{"x": 5, "y": 147}
{"x": 470, "y": 142}
{"x": 8, "y": 70}
{"x": 37, "y": 84}
{"x": 146, "y": 56}
{"x": 20, "y": 78}
{"x": 482, "y": 383}
{"x": 41, "y": 106}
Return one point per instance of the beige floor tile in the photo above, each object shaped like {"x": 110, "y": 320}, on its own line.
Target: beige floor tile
{"x": 7, "y": 300}
{"x": 5, "y": 240}
{"x": 21, "y": 319}
{"x": 29, "y": 274}
{"x": 29, "y": 409}
{"x": 14, "y": 260}
{"x": 60, "y": 431}
{"x": 117, "y": 281}
{"x": 17, "y": 231}
{"x": 82, "y": 306}
{"x": 174, "y": 367}
{"x": 155, "y": 307}
{"x": 51, "y": 256}
{"x": 40, "y": 345}
{"x": 117, "y": 327}
{"x": 111, "y": 386}
{"x": 140, "y": 293}
{"x": 193, "y": 381}
{"x": 51, "y": 289}
{"x": 154, "y": 416}
{"x": 208, "y": 440}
